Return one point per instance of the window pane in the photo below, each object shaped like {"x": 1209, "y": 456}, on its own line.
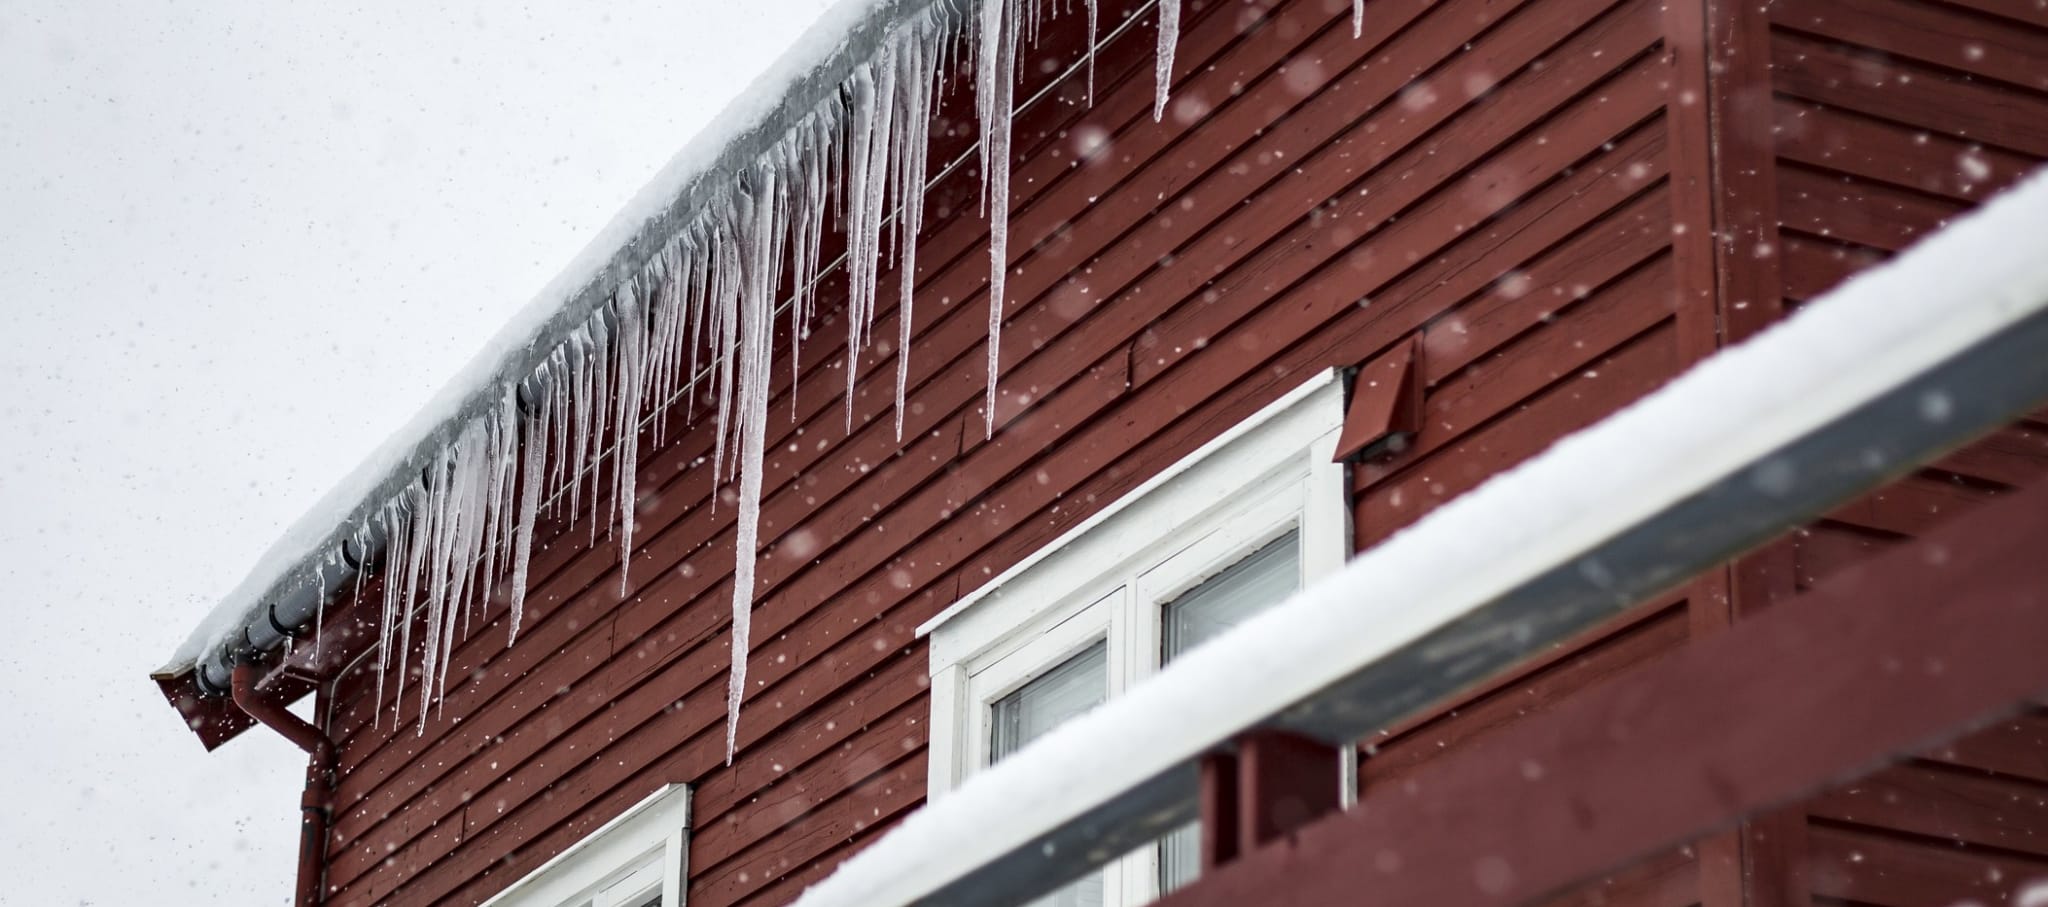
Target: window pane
{"x": 1080, "y": 683}
{"x": 1263, "y": 579}
{"x": 1259, "y": 581}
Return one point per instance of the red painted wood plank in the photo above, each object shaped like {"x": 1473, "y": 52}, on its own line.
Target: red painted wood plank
{"x": 1939, "y": 803}
{"x": 2016, "y": 746}
{"x": 2025, "y": 12}
{"x": 1918, "y": 96}
{"x": 1928, "y": 33}
{"x": 1812, "y": 265}
{"x": 1889, "y": 871}
{"x": 1911, "y": 506}
{"x": 2015, "y": 455}
{"x": 1569, "y": 344}
{"x": 1393, "y": 171}
{"x": 1826, "y": 548}
{"x": 1567, "y": 406}
{"x": 1868, "y": 214}
{"x": 1877, "y": 150}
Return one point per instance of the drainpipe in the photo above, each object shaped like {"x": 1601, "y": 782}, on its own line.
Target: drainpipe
{"x": 319, "y": 777}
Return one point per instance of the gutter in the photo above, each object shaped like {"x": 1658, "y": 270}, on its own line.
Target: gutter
{"x": 289, "y": 605}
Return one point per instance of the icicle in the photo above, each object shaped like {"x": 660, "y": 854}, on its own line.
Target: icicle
{"x": 1357, "y": 18}
{"x": 726, "y": 303}
{"x": 394, "y": 548}
{"x": 760, "y": 273}
{"x": 632, "y": 373}
{"x": 912, "y": 159}
{"x": 867, "y": 163}
{"x": 598, "y": 404}
{"x": 997, "y": 76}
{"x": 421, "y": 526}
{"x": 529, "y": 497}
{"x": 1169, "y": 38}
{"x": 810, "y": 199}
{"x": 1091, "y": 49}
{"x": 438, "y": 547}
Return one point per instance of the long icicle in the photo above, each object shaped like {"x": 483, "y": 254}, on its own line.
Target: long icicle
{"x": 632, "y": 376}
{"x": 760, "y": 270}
{"x": 917, "y": 94}
{"x": 533, "y": 475}
{"x": 997, "y": 71}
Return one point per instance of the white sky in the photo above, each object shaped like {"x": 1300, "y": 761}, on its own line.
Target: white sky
{"x": 240, "y": 243}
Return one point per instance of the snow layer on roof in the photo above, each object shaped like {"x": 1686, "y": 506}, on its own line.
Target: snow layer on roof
{"x": 760, "y": 110}
{"x": 1887, "y": 324}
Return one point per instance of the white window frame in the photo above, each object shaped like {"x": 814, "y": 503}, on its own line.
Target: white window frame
{"x": 644, "y": 851}
{"x": 1111, "y": 577}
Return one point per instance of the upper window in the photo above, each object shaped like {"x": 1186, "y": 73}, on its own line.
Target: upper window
{"x": 636, "y": 860}
{"x": 1232, "y": 529}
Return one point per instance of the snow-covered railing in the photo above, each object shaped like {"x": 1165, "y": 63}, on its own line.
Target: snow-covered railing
{"x": 1902, "y": 363}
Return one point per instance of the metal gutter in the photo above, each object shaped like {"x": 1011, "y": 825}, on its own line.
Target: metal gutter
{"x": 290, "y": 604}
{"x": 300, "y": 601}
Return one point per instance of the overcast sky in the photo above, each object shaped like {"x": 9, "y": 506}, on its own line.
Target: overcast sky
{"x": 240, "y": 243}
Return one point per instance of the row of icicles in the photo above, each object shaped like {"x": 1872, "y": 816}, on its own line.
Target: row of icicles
{"x": 858, "y": 156}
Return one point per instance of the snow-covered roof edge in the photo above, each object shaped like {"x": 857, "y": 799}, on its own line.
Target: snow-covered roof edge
{"x": 805, "y": 76}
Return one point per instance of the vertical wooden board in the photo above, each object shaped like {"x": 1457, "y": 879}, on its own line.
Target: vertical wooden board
{"x": 1742, "y": 171}
{"x": 1689, "y": 110}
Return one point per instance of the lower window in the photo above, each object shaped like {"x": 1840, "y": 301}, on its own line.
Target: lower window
{"x": 636, "y": 860}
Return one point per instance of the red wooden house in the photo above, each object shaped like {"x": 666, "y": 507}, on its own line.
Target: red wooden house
{"x": 1358, "y": 260}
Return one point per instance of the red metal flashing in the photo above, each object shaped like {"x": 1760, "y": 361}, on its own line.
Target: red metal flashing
{"x": 1386, "y": 403}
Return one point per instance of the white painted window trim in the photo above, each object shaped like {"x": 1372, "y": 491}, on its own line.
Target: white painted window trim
{"x": 1110, "y": 577}
{"x": 643, "y": 851}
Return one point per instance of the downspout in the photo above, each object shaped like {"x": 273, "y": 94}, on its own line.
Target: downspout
{"x": 319, "y": 776}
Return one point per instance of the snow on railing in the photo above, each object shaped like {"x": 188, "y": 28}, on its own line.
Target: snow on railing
{"x": 1900, "y": 364}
